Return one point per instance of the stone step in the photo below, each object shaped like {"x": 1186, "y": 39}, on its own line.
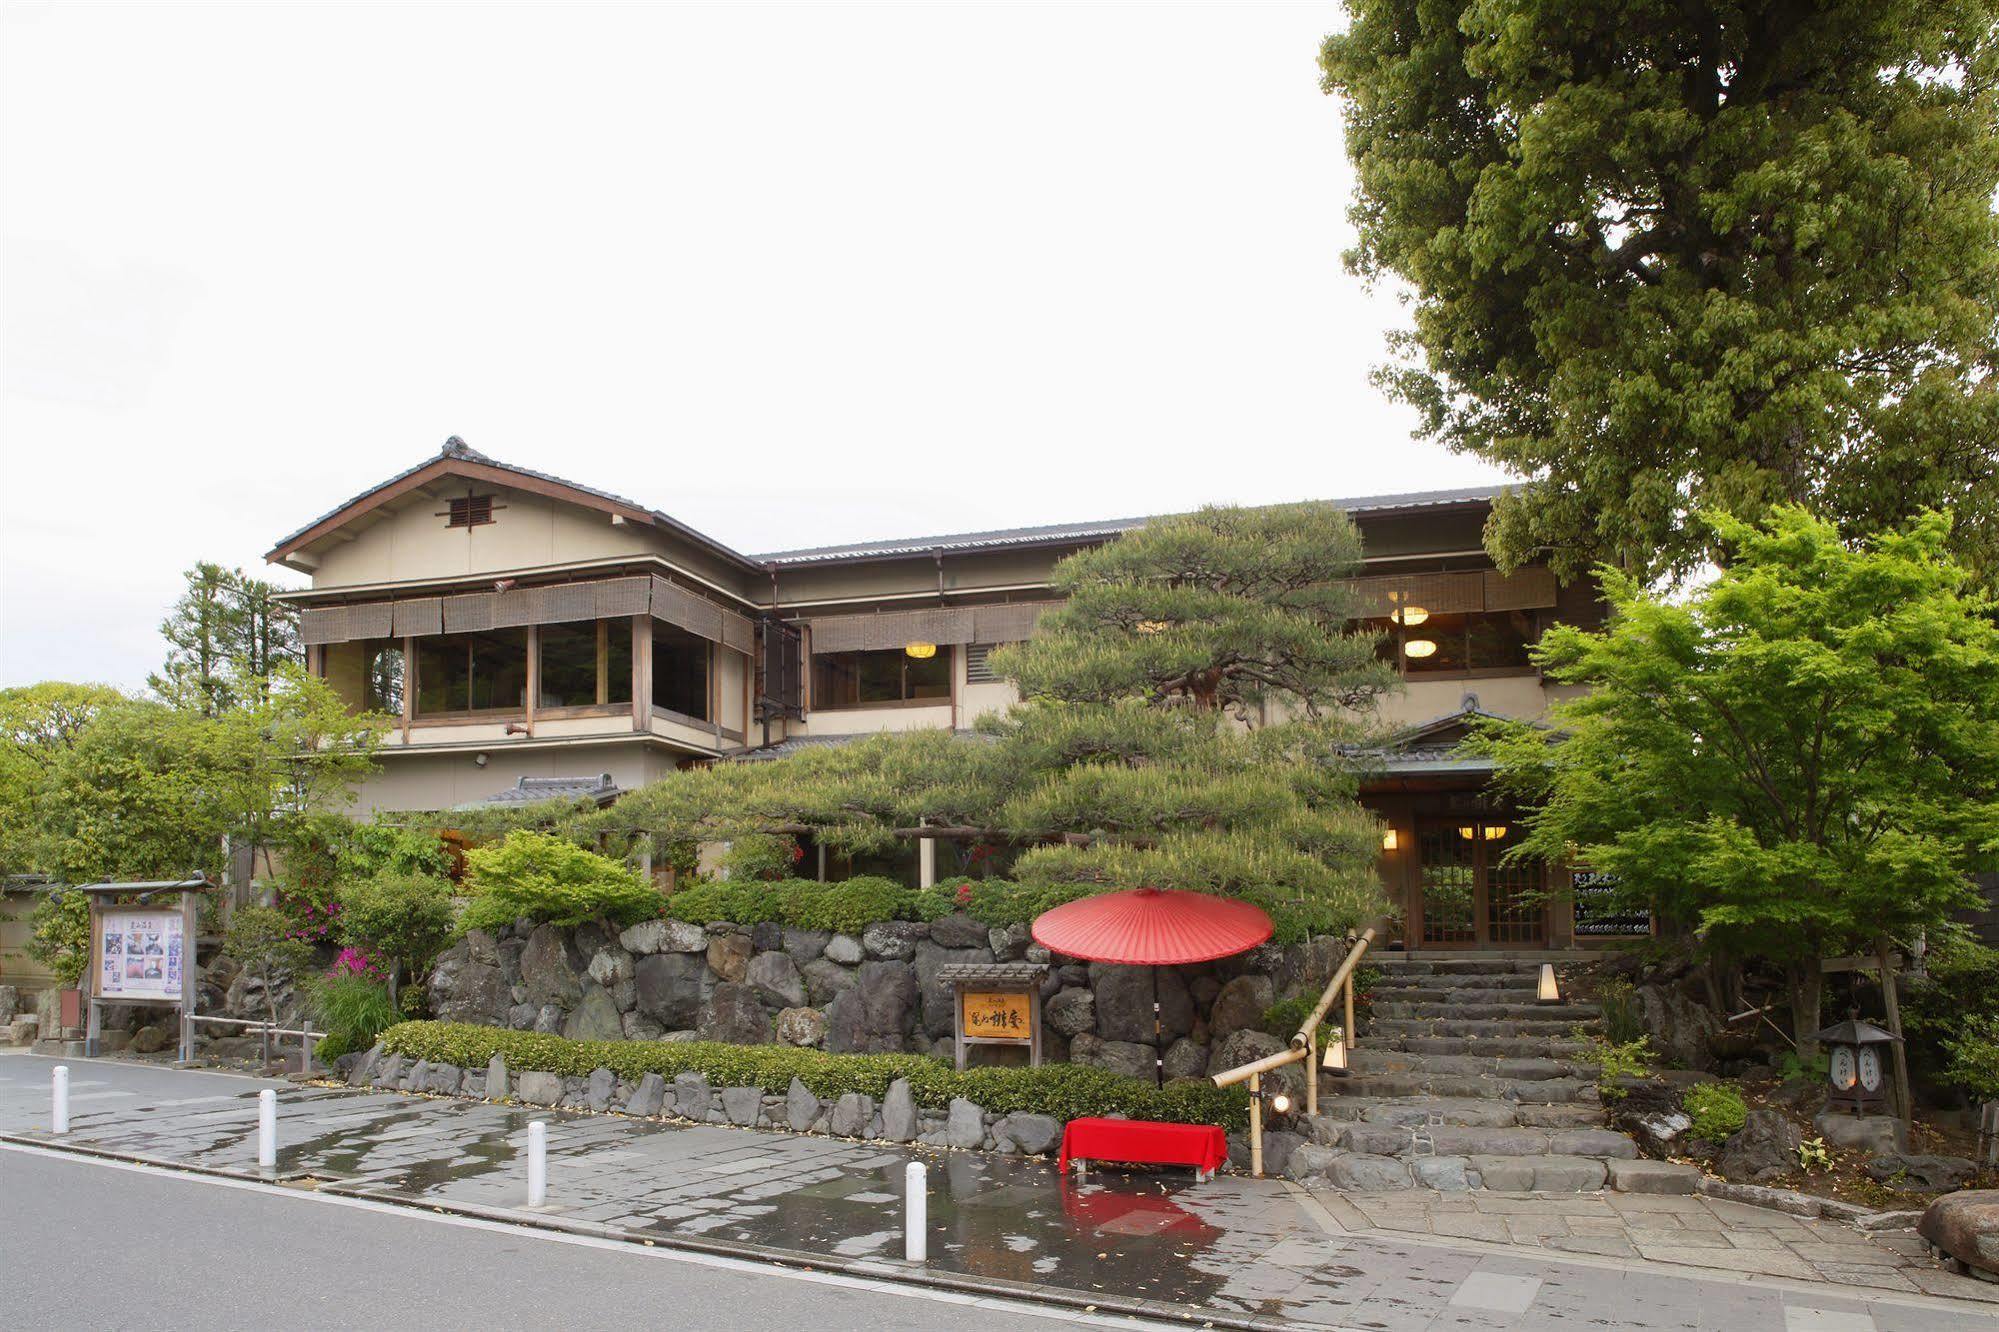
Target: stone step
{"x": 1447, "y": 998}
{"x": 1540, "y": 1174}
{"x": 1369, "y": 1060}
{"x": 1530, "y": 1047}
{"x": 1475, "y": 1112}
{"x": 1382, "y": 1025}
{"x": 1478, "y": 1140}
{"x": 1542, "y": 1091}
{"x": 1471, "y": 980}
{"x": 1453, "y": 966}
{"x": 1492, "y": 1012}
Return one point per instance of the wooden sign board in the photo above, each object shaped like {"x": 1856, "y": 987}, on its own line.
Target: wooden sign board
{"x": 1005, "y": 1016}
{"x": 997, "y": 1003}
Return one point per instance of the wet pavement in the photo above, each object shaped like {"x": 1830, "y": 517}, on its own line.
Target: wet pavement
{"x": 1232, "y": 1250}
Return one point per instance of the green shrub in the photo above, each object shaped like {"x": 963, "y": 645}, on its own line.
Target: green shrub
{"x": 60, "y": 935}
{"x": 1065, "y": 1091}
{"x": 766, "y": 856}
{"x": 403, "y": 917}
{"x": 1960, "y": 986}
{"x": 1974, "y": 1059}
{"x": 1717, "y": 1109}
{"x": 544, "y": 878}
{"x": 847, "y": 907}
{"x": 354, "y": 1011}
{"x": 1283, "y": 1018}
{"x": 1621, "y": 1023}
{"x": 1614, "y": 1060}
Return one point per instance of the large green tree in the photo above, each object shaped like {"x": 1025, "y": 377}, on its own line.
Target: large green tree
{"x": 1801, "y": 760}
{"x": 227, "y": 637}
{"x": 1673, "y": 255}
{"x": 37, "y": 724}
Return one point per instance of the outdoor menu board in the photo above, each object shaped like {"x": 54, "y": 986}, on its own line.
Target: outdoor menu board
{"x": 140, "y": 952}
{"x": 1598, "y": 913}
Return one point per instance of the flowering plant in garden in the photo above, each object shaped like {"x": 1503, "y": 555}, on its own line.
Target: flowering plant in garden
{"x": 354, "y": 962}
{"x": 314, "y": 913}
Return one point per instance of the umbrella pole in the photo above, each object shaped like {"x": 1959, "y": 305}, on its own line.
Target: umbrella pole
{"x": 1158, "y": 1054}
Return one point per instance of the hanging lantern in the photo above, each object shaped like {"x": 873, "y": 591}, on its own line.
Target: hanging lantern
{"x": 1547, "y": 991}
{"x": 920, "y": 651}
{"x": 1419, "y": 648}
{"x": 1389, "y": 840}
{"x": 1410, "y": 616}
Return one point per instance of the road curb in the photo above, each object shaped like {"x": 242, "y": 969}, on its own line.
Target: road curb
{"x": 876, "y": 1270}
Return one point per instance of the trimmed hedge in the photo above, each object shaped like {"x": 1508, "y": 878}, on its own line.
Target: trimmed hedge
{"x": 852, "y": 905}
{"x": 1064, "y": 1091}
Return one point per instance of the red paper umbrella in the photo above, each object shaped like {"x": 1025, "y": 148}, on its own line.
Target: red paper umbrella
{"x": 1151, "y": 927}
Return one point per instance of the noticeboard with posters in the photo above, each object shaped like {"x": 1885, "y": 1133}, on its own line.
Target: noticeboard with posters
{"x": 140, "y": 953}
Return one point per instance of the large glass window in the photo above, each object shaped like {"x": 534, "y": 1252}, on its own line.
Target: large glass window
{"x": 679, "y": 671}
{"x": 585, "y": 664}
{"x": 483, "y": 672}
{"x": 890, "y": 676}
{"x": 383, "y": 675}
{"x": 1442, "y": 644}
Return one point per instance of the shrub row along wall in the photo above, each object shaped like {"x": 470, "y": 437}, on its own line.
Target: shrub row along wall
{"x": 874, "y": 992}
{"x": 892, "y": 1098}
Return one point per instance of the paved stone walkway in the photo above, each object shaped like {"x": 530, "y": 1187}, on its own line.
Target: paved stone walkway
{"x": 1241, "y": 1251}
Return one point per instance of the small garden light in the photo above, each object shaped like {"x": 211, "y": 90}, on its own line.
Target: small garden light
{"x": 1280, "y": 1104}
{"x": 1548, "y": 992}
{"x": 1335, "y": 1061}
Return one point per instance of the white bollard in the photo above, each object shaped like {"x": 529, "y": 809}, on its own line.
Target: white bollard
{"x": 60, "y": 1114}
{"x": 267, "y": 1130}
{"x": 915, "y": 1227}
{"x": 537, "y": 1162}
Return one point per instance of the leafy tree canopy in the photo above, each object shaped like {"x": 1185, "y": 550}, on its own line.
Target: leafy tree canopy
{"x": 37, "y": 724}
{"x": 228, "y": 637}
{"x": 1800, "y": 760}
{"x": 1667, "y": 257}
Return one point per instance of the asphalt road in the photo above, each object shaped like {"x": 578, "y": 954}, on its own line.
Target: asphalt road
{"x": 105, "y": 1246}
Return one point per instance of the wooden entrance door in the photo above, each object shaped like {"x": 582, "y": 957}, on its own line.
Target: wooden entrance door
{"x": 1466, "y": 898}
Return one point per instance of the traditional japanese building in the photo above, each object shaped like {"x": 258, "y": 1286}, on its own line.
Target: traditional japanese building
{"x": 531, "y": 634}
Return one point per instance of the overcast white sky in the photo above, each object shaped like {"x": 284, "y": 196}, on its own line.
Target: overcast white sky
{"x": 795, "y": 275}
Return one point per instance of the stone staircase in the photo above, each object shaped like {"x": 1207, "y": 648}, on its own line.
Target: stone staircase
{"x": 1461, "y": 1080}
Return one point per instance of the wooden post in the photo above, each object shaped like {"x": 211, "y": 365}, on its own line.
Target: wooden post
{"x": 1256, "y": 1125}
{"x": 1892, "y": 1003}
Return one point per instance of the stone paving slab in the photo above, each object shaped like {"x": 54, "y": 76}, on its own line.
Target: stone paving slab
{"x": 1233, "y": 1251}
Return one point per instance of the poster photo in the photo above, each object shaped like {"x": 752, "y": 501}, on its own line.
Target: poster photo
{"x": 140, "y": 954}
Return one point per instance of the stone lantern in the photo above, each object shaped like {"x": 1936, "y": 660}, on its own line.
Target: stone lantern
{"x": 1857, "y": 1052}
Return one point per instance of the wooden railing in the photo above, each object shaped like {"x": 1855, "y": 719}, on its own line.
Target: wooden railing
{"x": 1304, "y": 1046}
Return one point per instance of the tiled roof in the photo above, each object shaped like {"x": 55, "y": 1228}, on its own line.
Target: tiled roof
{"x": 458, "y": 448}
{"x": 1102, "y": 529}
{"x": 532, "y": 790}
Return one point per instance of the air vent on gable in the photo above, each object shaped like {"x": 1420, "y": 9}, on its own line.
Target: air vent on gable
{"x": 471, "y": 511}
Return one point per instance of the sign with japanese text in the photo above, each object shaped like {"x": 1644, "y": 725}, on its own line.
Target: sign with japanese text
{"x": 996, "y": 1015}
{"x": 140, "y": 954}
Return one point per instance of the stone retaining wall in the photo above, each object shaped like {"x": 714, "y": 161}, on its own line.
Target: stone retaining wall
{"x": 962, "y": 1124}
{"x": 875, "y": 992}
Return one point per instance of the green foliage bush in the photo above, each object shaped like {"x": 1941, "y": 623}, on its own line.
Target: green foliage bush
{"x": 1960, "y": 988}
{"x": 544, "y": 878}
{"x": 354, "y": 1011}
{"x": 1717, "y": 1109}
{"x": 60, "y": 936}
{"x": 1974, "y": 1059}
{"x": 1065, "y": 1091}
{"x": 402, "y": 916}
{"x": 1621, "y": 1023}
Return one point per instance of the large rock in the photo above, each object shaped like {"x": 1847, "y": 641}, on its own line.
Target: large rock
{"x": 801, "y": 1107}
{"x": 496, "y": 1078}
{"x": 1926, "y": 1174}
{"x": 1965, "y": 1225}
{"x": 775, "y": 978}
{"x": 644, "y": 937}
{"x": 853, "y": 1113}
{"x": 601, "y": 1087}
{"x": 691, "y": 1095}
{"x": 878, "y": 1014}
{"x": 1358, "y": 1172}
{"x": 824, "y": 979}
{"x": 596, "y": 1017}
{"x": 1127, "y": 1058}
{"x": 729, "y": 956}
{"x": 899, "y": 1120}
{"x": 1125, "y": 996}
{"x": 806, "y": 945}
{"x": 1879, "y": 1135}
{"x": 846, "y": 950}
{"x": 465, "y": 989}
{"x": 151, "y": 1039}
{"x": 539, "y": 1088}
{"x": 937, "y": 998}
{"x": 1765, "y": 1147}
{"x": 958, "y": 930}
{"x": 669, "y": 988}
{"x": 683, "y": 937}
{"x": 648, "y": 1098}
{"x": 893, "y": 940}
{"x": 1030, "y": 1134}
{"x": 546, "y": 971}
{"x": 1009, "y": 943}
{"x": 1071, "y": 1012}
{"x": 1682, "y": 1029}
{"x": 609, "y": 966}
{"x": 1310, "y": 1161}
{"x": 733, "y": 1014}
{"x": 1186, "y": 1059}
{"x": 965, "y": 1126}
{"x": 804, "y": 1027}
{"x": 1240, "y": 1005}
{"x": 742, "y": 1104}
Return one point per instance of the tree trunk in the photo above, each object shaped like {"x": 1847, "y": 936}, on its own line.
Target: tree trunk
{"x": 1807, "y": 988}
{"x": 395, "y": 970}
{"x": 1891, "y": 1002}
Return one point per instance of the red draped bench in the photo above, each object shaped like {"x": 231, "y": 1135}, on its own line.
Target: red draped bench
{"x": 1141, "y": 1142}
